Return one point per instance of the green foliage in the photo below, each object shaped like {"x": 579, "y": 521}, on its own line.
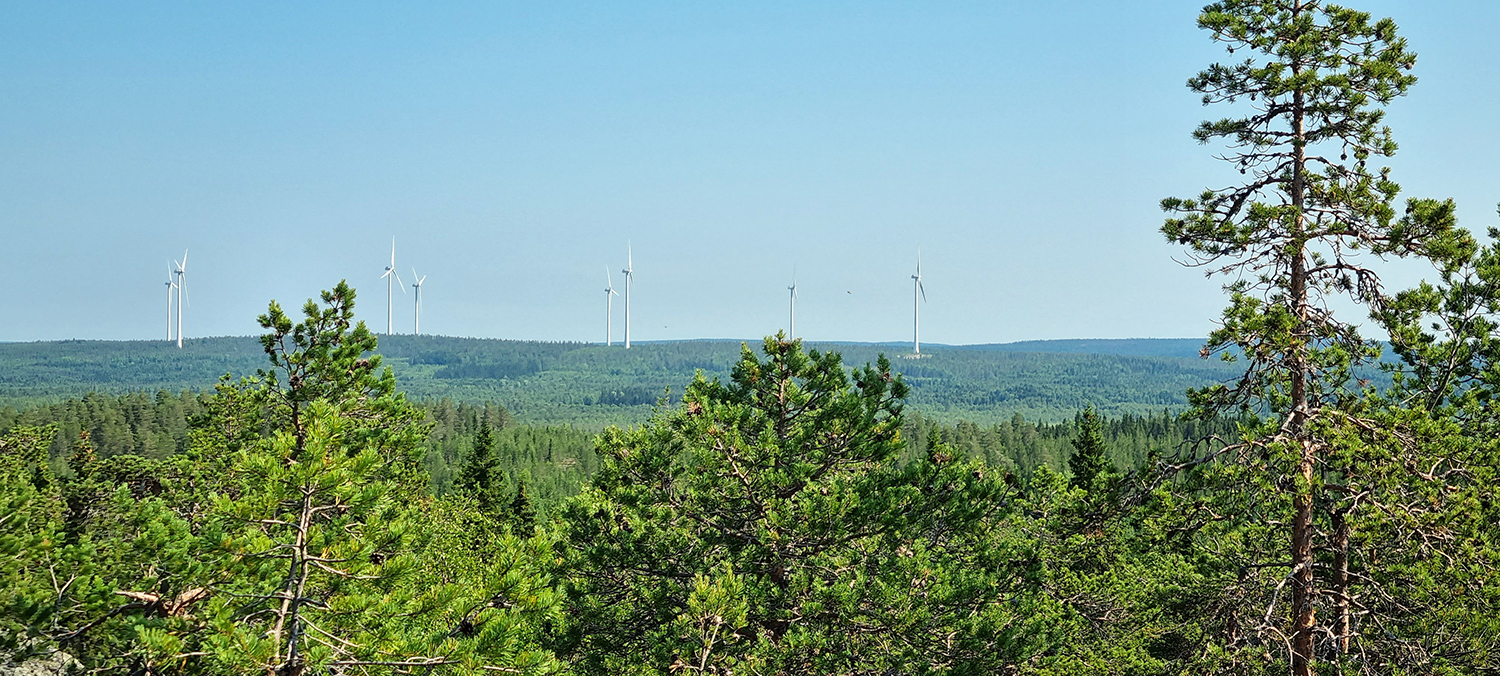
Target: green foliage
{"x": 591, "y": 386}
{"x": 327, "y": 523}
{"x": 91, "y": 568}
{"x": 1024, "y": 446}
{"x": 1429, "y": 455}
{"x": 29, "y": 520}
{"x": 555, "y": 460}
{"x": 481, "y": 477}
{"x": 786, "y": 514}
{"x": 756, "y": 525}
{"x": 489, "y": 485}
{"x": 503, "y": 595}
{"x": 294, "y": 532}
{"x": 1091, "y": 457}
{"x": 1306, "y": 224}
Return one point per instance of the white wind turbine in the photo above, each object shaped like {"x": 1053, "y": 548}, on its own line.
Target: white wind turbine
{"x": 392, "y": 279}
{"x": 417, "y": 286}
{"x": 609, "y": 307}
{"x": 792, "y": 312}
{"x": 171, "y": 285}
{"x": 181, "y": 273}
{"x": 629, "y": 277}
{"x": 916, "y": 307}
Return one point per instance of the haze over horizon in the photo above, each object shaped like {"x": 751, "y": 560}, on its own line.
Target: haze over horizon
{"x": 514, "y": 151}
{"x": 833, "y": 341}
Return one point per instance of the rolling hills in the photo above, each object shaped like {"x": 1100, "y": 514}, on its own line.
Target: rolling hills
{"x": 589, "y": 385}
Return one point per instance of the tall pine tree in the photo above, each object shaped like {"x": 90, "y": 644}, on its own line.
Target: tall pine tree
{"x": 1307, "y": 223}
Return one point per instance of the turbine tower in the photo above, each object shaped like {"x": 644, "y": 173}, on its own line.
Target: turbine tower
{"x": 791, "y": 327}
{"x": 181, "y": 273}
{"x": 417, "y": 285}
{"x": 609, "y": 307}
{"x": 392, "y": 279}
{"x": 171, "y": 285}
{"x": 916, "y": 307}
{"x": 629, "y": 276}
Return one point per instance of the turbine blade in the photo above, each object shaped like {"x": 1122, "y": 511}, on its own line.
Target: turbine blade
{"x": 400, "y": 284}
{"x": 923, "y": 289}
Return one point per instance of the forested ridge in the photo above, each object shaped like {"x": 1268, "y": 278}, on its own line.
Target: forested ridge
{"x": 796, "y": 509}
{"x": 591, "y": 386}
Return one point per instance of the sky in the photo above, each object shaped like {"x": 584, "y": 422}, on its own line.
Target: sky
{"x": 515, "y": 150}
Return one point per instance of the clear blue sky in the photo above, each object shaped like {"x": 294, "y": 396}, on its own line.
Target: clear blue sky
{"x": 512, "y": 149}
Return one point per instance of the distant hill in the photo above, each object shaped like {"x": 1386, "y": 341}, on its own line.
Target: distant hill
{"x": 590, "y": 385}
{"x": 1130, "y": 347}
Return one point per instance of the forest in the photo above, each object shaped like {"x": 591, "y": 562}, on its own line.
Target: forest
{"x": 591, "y": 386}
{"x": 790, "y": 508}
{"x": 555, "y": 461}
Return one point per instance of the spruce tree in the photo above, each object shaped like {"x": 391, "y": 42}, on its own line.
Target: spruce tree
{"x": 480, "y": 477}
{"x": 522, "y": 514}
{"x": 1090, "y": 455}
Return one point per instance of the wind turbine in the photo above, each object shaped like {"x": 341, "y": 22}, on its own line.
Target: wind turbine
{"x": 392, "y": 278}
{"x": 916, "y": 308}
{"x": 181, "y": 273}
{"x": 170, "y": 286}
{"x": 629, "y": 276}
{"x": 609, "y": 307}
{"x": 417, "y": 285}
{"x": 792, "y": 313}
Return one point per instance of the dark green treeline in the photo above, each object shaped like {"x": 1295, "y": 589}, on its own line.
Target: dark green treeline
{"x": 555, "y": 461}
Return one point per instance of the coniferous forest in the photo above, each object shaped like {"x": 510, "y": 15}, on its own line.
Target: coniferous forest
{"x": 791, "y": 512}
{"x": 592, "y": 386}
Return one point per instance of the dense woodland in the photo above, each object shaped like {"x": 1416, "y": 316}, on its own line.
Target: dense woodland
{"x": 786, "y": 512}
{"x": 591, "y": 386}
{"x": 556, "y": 461}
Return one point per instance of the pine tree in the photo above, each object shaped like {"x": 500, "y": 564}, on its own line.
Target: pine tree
{"x": 329, "y": 524}
{"x": 1305, "y": 224}
{"x": 1090, "y": 456}
{"x": 131, "y": 577}
{"x": 755, "y": 525}
{"x": 1432, "y": 461}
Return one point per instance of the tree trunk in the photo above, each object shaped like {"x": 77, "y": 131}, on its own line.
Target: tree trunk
{"x": 1304, "y": 615}
{"x": 1342, "y": 601}
{"x": 1303, "y": 593}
